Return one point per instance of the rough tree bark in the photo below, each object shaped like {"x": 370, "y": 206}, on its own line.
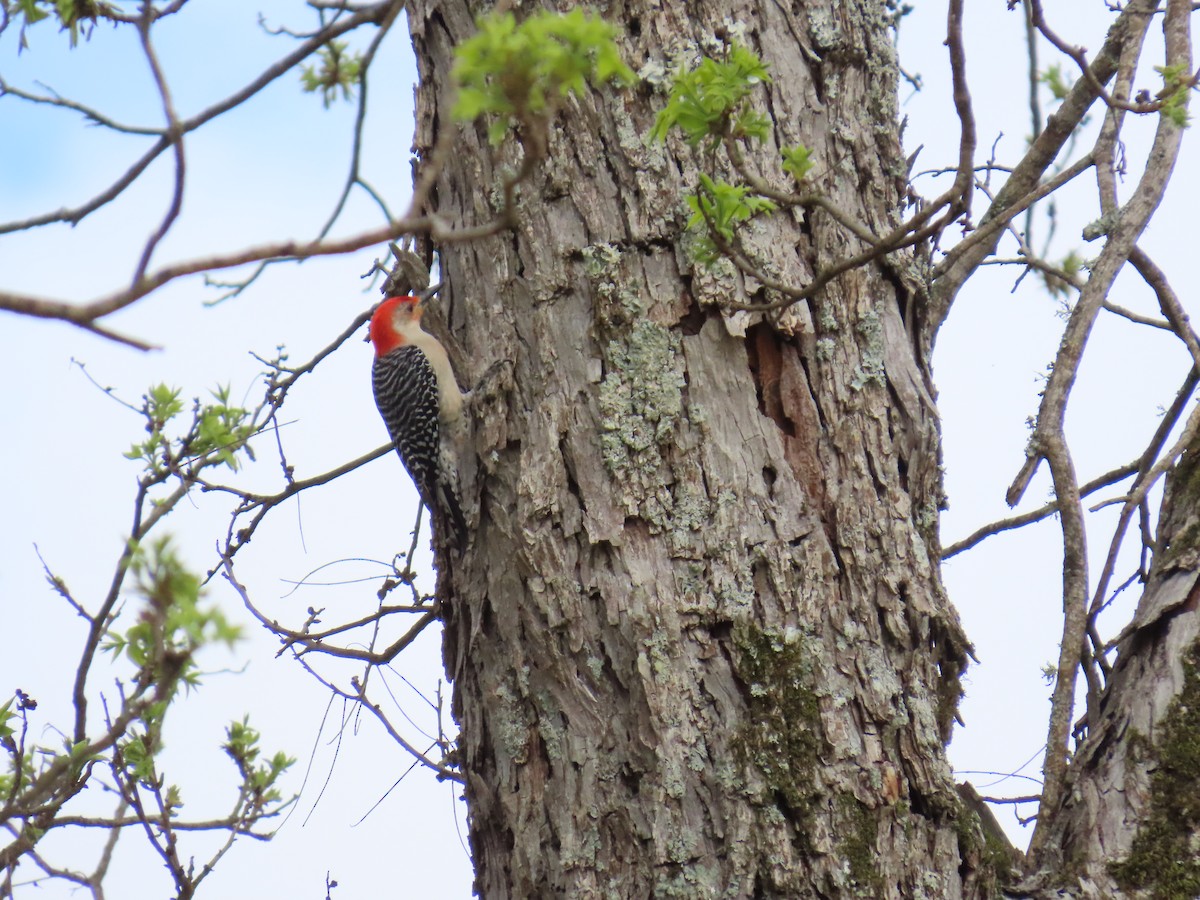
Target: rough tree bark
{"x": 700, "y": 646}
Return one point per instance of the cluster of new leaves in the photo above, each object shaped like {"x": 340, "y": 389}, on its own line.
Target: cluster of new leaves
{"x": 69, "y": 14}
{"x": 719, "y": 206}
{"x": 162, "y": 644}
{"x": 713, "y": 100}
{"x": 1056, "y": 81}
{"x": 259, "y": 777}
{"x": 712, "y": 105}
{"x": 217, "y": 433}
{"x": 339, "y": 71}
{"x": 1177, "y": 81}
{"x": 10, "y": 719}
{"x": 173, "y": 626}
{"x": 517, "y": 73}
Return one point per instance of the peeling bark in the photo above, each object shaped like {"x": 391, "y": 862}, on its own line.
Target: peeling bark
{"x": 700, "y": 645}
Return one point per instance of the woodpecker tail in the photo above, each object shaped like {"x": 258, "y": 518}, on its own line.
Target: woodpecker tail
{"x": 455, "y": 524}
{"x": 444, "y": 494}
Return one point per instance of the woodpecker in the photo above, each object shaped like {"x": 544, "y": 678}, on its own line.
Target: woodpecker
{"x": 421, "y": 404}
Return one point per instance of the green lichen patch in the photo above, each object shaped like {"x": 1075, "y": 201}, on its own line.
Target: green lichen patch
{"x": 641, "y": 402}
{"x": 985, "y": 853}
{"x": 1164, "y": 862}
{"x": 684, "y": 880}
{"x": 510, "y": 724}
{"x": 870, "y": 368}
{"x": 691, "y": 513}
{"x": 616, "y": 303}
{"x": 1179, "y": 537}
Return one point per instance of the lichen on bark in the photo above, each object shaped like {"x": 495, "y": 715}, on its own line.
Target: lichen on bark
{"x": 641, "y": 401}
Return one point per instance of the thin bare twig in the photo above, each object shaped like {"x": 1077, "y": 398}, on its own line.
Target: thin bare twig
{"x": 1035, "y": 515}
{"x": 173, "y": 135}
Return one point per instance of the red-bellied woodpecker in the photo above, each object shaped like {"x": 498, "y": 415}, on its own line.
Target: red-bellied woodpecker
{"x": 422, "y": 406}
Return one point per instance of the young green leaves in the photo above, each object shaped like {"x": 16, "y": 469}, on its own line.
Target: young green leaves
{"x": 259, "y": 777}
{"x": 797, "y": 162}
{"x": 717, "y": 207}
{"x": 339, "y": 71}
{"x": 70, "y": 14}
{"x": 517, "y": 73}
{"x": 162, "y": 641}
{"x": 713, "y": 100}
{"x": 1177, "y": 83}
{"x": 1054, "y": 80}
{"x": 711, "y": 105}
{"x": 217, "y": 433}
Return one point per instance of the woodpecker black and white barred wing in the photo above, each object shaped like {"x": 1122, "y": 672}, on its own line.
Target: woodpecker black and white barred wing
{"x": 406, "y": 392}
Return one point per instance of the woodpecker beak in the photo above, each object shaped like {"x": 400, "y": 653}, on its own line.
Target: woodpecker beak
{"x": 426, "y": 295}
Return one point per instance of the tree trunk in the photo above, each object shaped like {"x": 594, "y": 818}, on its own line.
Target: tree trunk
{"x": 699, "y": 645}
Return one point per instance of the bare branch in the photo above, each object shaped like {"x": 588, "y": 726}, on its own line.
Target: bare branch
{"x": 174, "y": 137}
{"x": 965, "y": 257}
{"x": 1036, "y": 515}
{"x": 1049, "y": 442}
{"x": 93, "y": 115}
{"x": 369, "y": 14}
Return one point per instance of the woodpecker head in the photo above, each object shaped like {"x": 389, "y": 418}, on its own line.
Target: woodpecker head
{"x": 394, "y": 323}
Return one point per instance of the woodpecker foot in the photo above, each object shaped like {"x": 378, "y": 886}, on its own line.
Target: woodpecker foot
{"x": 498, "y": 377}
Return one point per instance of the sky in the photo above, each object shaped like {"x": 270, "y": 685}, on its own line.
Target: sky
{"x": 272, "y": 170}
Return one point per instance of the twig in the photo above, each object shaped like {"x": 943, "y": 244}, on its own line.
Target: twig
{"x": 1036, "y": 515}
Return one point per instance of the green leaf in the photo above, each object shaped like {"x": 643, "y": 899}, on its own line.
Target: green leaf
{"x": 517, "y": 73}
{"x": 722, "y": 205}
{"x": 797, "y": 162}
{"x": 173, "y": 625}
{"x": 339, "y": 71}
{"x": 138, "y": 759}
{"x": 6, "y": 716}
{"x": 1071, "y": 266}
{"x": 1177, "y": 82}
{"x": 242, "y": 747}
{"x": 221, "y": 429}
{"x": 711, "y": 101}
{"x": 1053, "y": 79}
{"x": 30, "y": 10}
{"x": 71, "y": 14}
{"x": 719, "y": 206}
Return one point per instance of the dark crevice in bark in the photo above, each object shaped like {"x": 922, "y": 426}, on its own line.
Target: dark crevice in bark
{"x": 693, "y": 318}
{"x": 763, "y": 352}
{"x": 569, "y": 470}
{"x": 770, "y": 476}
